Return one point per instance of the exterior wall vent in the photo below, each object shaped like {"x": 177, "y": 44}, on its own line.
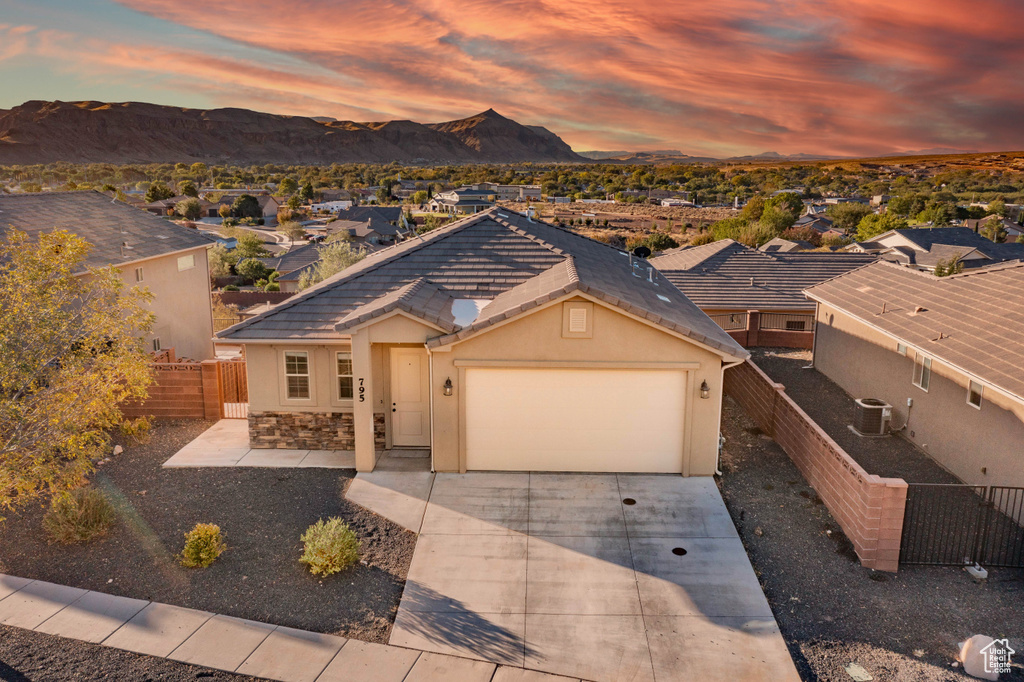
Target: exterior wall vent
{"x": 578, "y": 320}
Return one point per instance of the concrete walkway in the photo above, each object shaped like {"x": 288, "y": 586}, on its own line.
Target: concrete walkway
{"x": 597, "y": 576}
{"x": 231, "y": 644}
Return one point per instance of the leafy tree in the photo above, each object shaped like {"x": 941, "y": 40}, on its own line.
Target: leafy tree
{"x": 188, "y": 189}
{"x": 224, "y": 211}
{"x": 287, "y": 186}
{"x": 997, "y": 207}
{"x": 246, "y": 206}
{"x": 787, "y": 201}
{"x": 158, "y": 191}
{"x": 251, "y": 269}
{"x": 655, "y": 241}
{"x": 249, "y": 245}
{"x": 878, "y": 223}
{"x": 294, "y": 231}
{"x": 945, "y": 268}
{"x": 805, "y": 234}
{"x": 847, "y": 216}
{"x": 189, "y": 209}
{"x": 221, "y": 261}
{"x": 420, "y": 197}
{"x": 775, "y": 220}
{"x": 701, "y": 239}
{"x": 307, "y": 192}
{"x": 334, "y": 257}
{"x": 70, "y": 354}
{"x": 753, "y": 209}
{"x": 993, "y": 230}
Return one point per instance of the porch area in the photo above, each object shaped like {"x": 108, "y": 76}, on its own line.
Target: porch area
{"x": 226, "y": 444}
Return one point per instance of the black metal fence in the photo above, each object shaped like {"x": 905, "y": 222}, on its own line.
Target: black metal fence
{"x": 956, "y": 524}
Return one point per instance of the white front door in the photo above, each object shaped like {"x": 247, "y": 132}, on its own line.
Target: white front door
{"x": 410, "y": 398}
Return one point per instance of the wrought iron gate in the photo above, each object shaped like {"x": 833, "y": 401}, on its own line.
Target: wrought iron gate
{"x": 956, "y": 524}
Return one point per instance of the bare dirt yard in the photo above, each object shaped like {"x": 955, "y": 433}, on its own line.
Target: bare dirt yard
{"x": 262, "y": 513}
{"x": 832, "y": 612}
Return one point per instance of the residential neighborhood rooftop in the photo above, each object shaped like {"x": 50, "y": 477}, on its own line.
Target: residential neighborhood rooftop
{"x": 118, "y": 233}
{"x": 502, "y": 259}
{"x": 926, "y": 246}
{"x": 972, "y": 321}
{"x": 728, "y": 275}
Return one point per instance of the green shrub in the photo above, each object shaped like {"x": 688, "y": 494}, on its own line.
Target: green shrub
{"x": 329, "y": 547}
{"x": 203, "y": 544}
{"x": 138, "y": 430}
{"x": 231, "y": 287}
{"x": 702, "y": 238}
{"x": 78, "y": 516}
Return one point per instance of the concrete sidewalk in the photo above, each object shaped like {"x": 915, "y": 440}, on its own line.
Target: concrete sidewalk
{"x": 231, "y": 644}
{"x": 226, "y": 444}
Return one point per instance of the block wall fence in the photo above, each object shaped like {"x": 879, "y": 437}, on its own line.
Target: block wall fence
{"x": 869, "y": 508}
{"x": 180, "y": 390}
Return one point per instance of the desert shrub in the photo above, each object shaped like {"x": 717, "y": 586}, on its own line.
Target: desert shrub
{"x": 203, "y": 544}
{"x": 138, "y": 430}
{"x": 702, "y": 238}
{"x": 329, "y": 547}
{"x": 272, "y": 286}
{"x": 231, "y": 287}
{"x": 78, "y": 516}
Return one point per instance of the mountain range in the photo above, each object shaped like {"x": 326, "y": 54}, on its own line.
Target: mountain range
{"x": 137, "y": 132}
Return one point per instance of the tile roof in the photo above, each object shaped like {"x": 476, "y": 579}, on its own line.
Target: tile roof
{"x": 499, "y": 255}
{"x": 293, "y": 260}
{"x": 106, "y": 224}
{"x": 973, "y": 321}
{"x": 728, "y": 275}
{"x": 926, "y": 238}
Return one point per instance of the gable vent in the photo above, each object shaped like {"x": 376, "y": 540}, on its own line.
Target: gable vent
{"x": 578, "y": 320}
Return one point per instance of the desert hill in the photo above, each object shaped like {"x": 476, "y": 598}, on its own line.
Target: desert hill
{"x": 136, "y": 132}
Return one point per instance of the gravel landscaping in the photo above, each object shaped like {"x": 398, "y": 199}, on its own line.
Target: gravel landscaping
{"x": 27, "y": 655}
{"x": 262, "y": 512}
{"x": 831, "y": 610}
{"x": 833, "y": 410}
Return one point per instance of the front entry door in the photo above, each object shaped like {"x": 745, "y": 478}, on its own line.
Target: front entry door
{"x": 410, "y": 397}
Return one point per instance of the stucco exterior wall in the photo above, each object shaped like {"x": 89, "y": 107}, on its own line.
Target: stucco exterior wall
{"x": 962, "y": 438}
{"x": 181, "y": 301}
{"x": 616, "y": 338}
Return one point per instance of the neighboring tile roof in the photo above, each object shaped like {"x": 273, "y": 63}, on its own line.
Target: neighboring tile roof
{"x": 498, "y": 255}
{"x": 293, "y": 260}
{"x": 973, "y": 321}
{"x": 780, "y": 245}
{"x": 104, "y": 223}
{"x": 728, "y": 275}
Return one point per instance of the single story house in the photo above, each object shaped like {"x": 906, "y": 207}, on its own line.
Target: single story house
{"x": 464, "y": 200}
{"x": 756, "y": 296}
{"x": 373, "y": 226}
{"x": 1013, "y": 230}
{"x": 946, "y": 352}
{"x": 499, "y": 342}
{"x": 165, "y": 207}
{"x": 924, "y": 248}
{"x": 780, "y": 245}
{"x": 269, "y": 205}
{"x": 167, "y": 258}
{"x": 291, "y": 263}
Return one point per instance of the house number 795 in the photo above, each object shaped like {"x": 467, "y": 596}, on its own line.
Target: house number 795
{"x": 362, "y": 391}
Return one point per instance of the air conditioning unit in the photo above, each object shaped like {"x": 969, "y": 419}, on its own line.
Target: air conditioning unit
{"x": 872, "y": 417}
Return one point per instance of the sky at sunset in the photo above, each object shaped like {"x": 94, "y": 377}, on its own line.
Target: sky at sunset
{"x": 731, "y": 77}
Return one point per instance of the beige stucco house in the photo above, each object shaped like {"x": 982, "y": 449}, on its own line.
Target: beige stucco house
{"x": 499, "y": 343}
{"x": 947, "y": 353}
{"x": 168, "y": 259}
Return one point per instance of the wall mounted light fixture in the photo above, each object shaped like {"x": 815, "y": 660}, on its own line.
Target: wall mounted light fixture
{"x": 705, "y": 391}
{"x": 448, "y": 386}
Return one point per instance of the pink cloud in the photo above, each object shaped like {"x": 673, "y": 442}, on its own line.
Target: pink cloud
{"x": 855, "y": 76}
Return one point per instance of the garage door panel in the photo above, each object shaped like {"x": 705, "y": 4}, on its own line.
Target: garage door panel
{"x": 574, "y": 420}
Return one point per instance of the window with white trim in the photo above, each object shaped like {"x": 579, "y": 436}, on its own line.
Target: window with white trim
{"x": 974, "y": 394}
{"x": 156, "y": 345}
{"x": 922, "y": 371}
{"x": 186, "y": 262}
{"x": 901, "y": 348}
{"x": 343, "y": 362}
{"x": 138, "y": 274}
{"x": 296, "y": 374}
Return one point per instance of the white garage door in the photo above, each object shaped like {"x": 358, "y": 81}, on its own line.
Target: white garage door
{"x": 574, "y": 420}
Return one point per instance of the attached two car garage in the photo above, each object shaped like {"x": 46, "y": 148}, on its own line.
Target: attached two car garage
{"x": 570, "y": 419}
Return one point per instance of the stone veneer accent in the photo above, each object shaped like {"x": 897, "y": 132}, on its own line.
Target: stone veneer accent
{"x": 309, "y": 430}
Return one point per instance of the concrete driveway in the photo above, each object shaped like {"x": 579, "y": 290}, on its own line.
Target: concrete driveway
{"x": 592, "y": 576}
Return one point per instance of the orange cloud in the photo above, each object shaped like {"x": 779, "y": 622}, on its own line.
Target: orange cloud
{"x": 740, "y": 76}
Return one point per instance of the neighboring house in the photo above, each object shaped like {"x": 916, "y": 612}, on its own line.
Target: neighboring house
{"x": 780, "y": 245}
{"x": 461, "y": 201}
{"x": 818, "y": 222}
{"x": 756, "y": 296}
{"x": 373, "y": 226}
{"x": 331, "y": 206}
{"x": 500, "y": 343}
{"x": 1013, "y": 230}
{"x": 269, "y": 205}
{"x": 160, "y": 255}
{"x": 291, "y": 263}
{"x": 509, "y": 192}
{"x": 951, "y": 346}
{"x": 165, "y": 207}
{"x": 923, "y": 248}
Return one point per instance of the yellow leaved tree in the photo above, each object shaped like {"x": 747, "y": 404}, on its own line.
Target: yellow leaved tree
{"x": 71, "y": 351}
